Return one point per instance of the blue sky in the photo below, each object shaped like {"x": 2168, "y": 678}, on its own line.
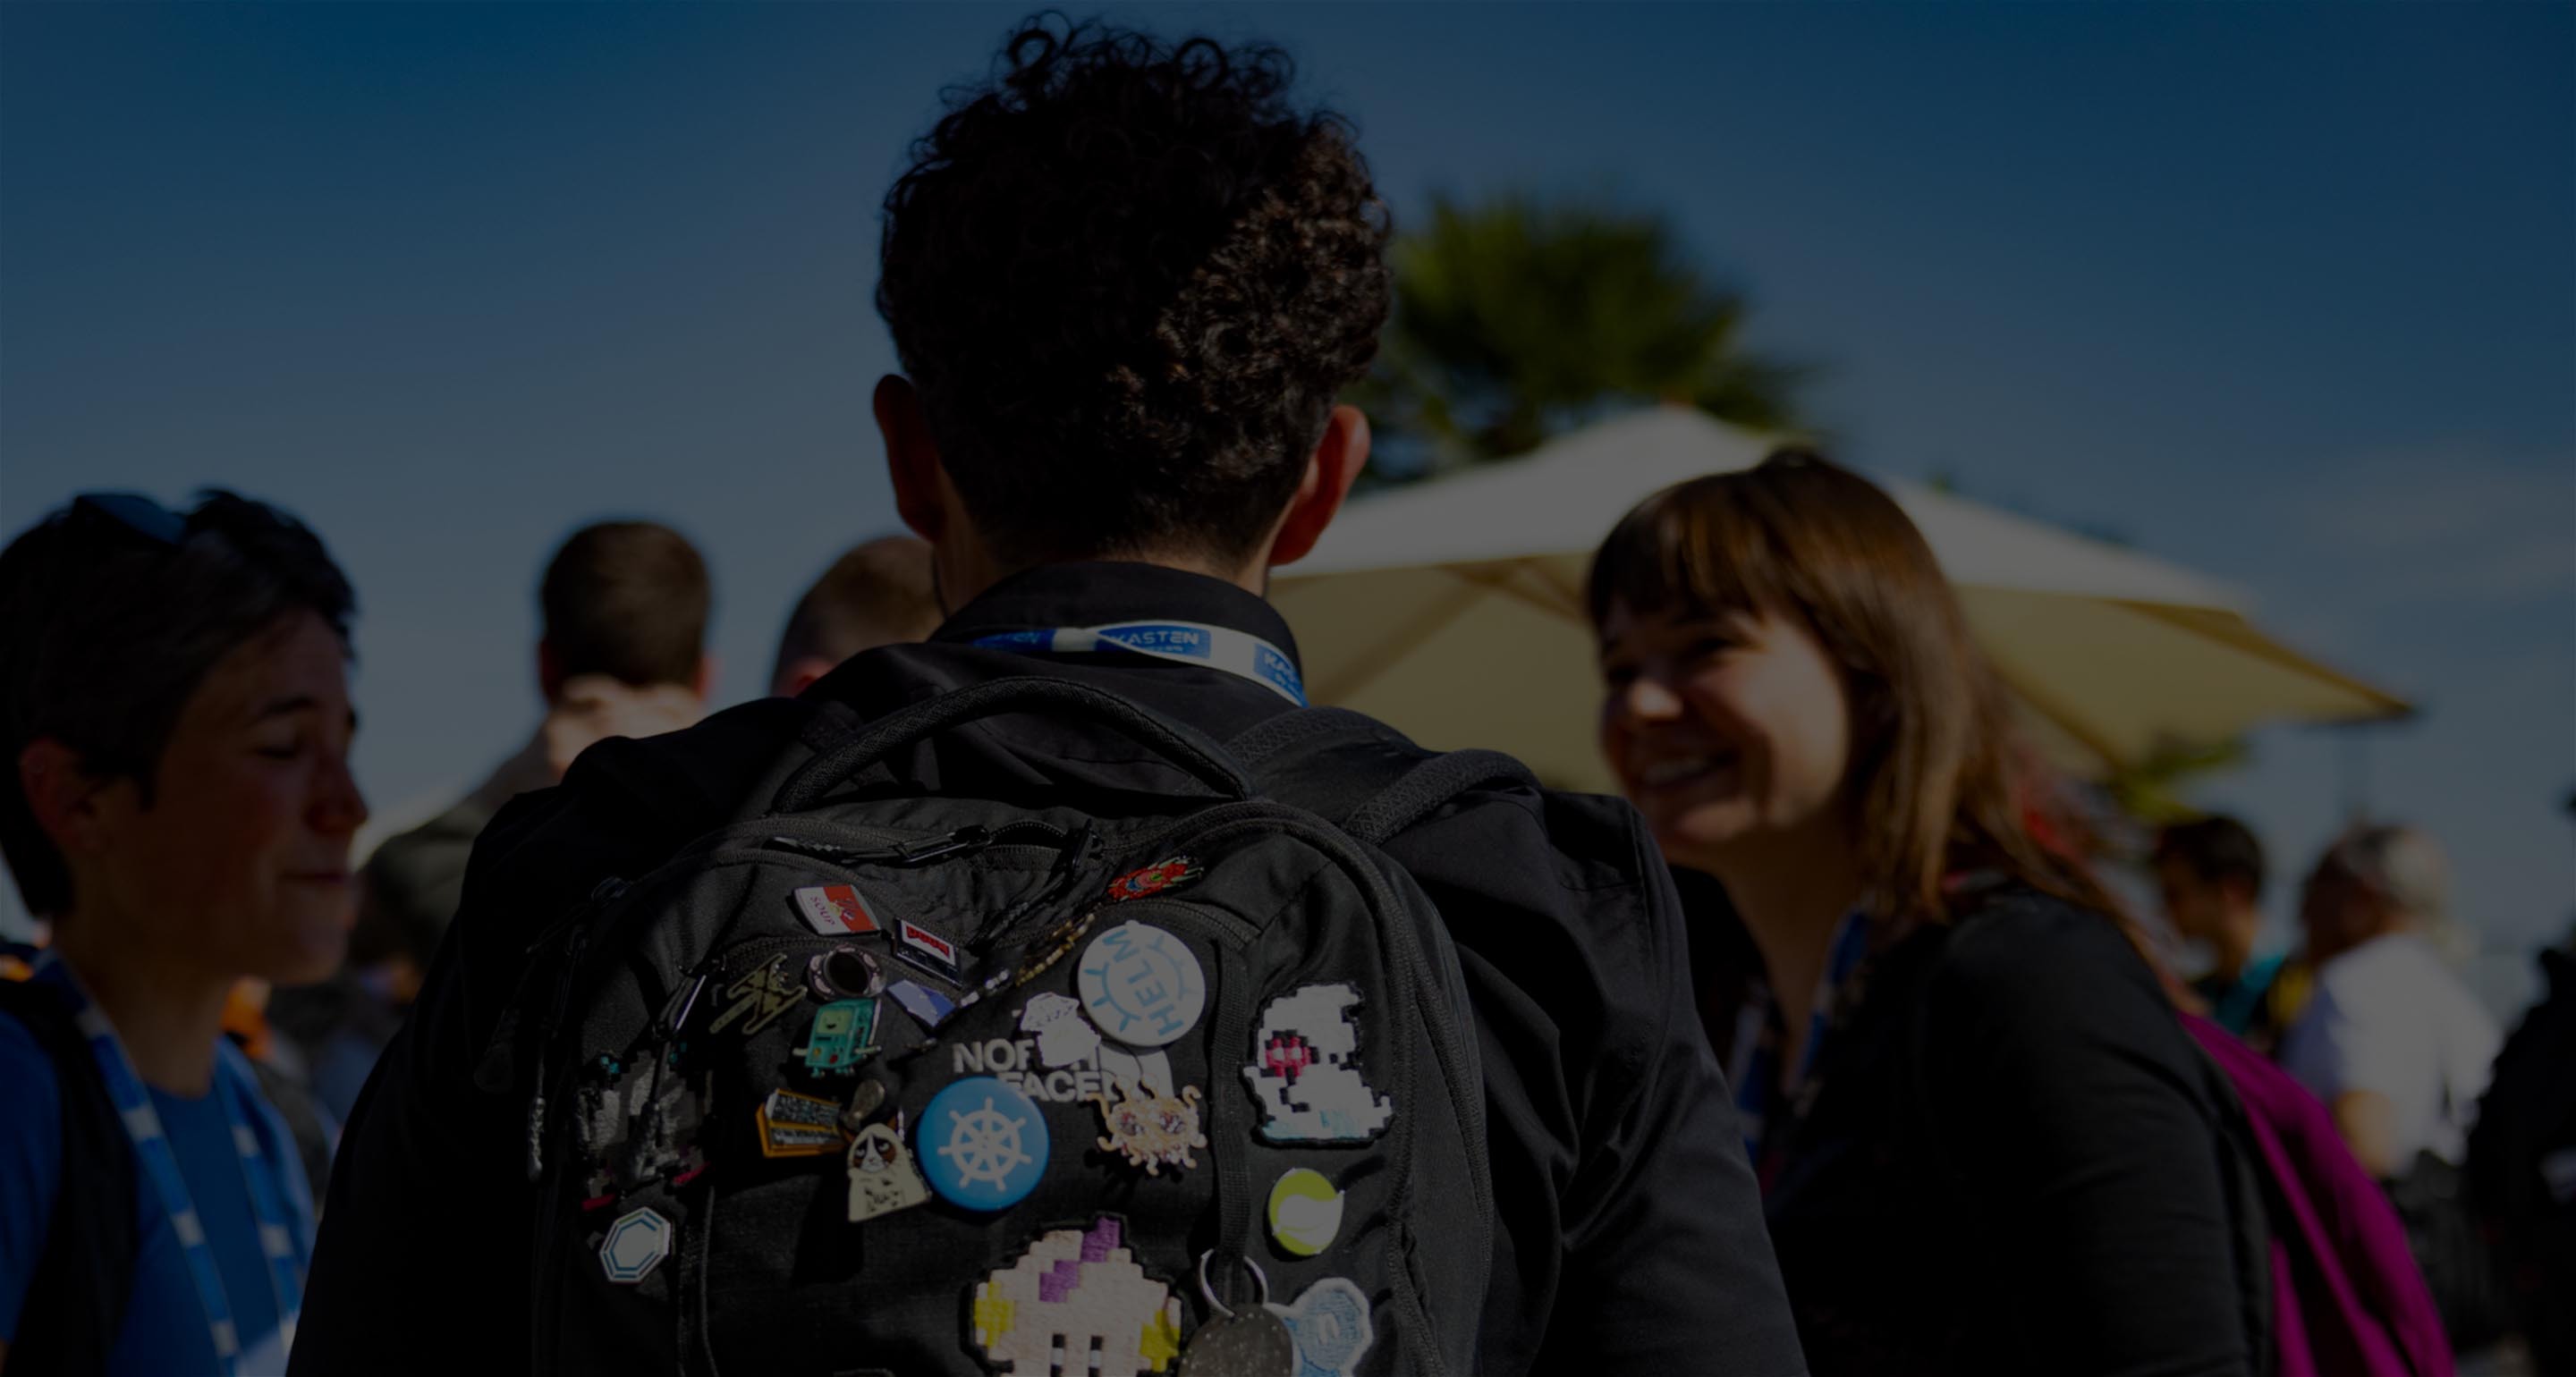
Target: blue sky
{"x": 2283, "y": 292}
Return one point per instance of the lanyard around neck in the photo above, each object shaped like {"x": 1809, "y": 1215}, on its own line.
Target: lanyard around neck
{"x": 1239, "y": 653}
{"x": 278, "y": 1198}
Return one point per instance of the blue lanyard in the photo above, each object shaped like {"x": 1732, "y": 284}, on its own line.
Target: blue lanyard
{"x": 279, "y": 1199}
{"x": 2236, "y": 1011}
{"x": 1754, "y": 1061}
{"x": 1239, "y": 653}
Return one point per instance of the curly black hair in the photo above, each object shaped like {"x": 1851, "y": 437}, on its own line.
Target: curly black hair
{"x": 1128, "y": 279}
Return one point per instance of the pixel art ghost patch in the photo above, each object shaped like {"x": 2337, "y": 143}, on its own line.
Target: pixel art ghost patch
{"x": 1305, "y": 1070}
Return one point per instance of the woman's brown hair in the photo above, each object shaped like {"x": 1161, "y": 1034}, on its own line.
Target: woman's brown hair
{"x": 1935, "y": 785}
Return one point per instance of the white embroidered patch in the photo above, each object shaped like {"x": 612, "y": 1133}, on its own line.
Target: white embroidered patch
{"x": 1073, "y": 1289}
{"x": 1331, "y": 1325}
{"x": 1065, "y": 1037}
{"x": 1305, "y": 1070}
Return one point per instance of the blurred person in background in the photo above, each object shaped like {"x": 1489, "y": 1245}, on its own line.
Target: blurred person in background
{"x": 2393, "y": 1041}
{"x": 879, "y": 592}
{"x": 624, "y": 608}
{"x": 1986, "y": 1144}
{"x": 2522, "y": 1166}
{"x": 2522, "y": 1161}
{"x": 2209, "y": 872}
{"x": 622, "y": 652}
{"x": 175, "y": 693}
{"x": 2399, "y": 1050}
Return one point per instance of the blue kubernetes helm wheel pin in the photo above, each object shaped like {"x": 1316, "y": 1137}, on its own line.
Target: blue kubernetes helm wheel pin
{"x": 983, "y": 1144}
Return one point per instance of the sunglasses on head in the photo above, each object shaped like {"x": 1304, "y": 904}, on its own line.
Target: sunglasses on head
{"x": 136, "y": 513}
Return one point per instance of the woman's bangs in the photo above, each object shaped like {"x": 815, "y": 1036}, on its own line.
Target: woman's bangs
{"x": 1691, "y": 551}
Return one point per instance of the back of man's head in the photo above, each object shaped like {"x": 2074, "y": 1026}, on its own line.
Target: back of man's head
{"x": 2217, "y": 850}
{"x": 2401, "y": 869}
{"x": 878, "y": 593}
{"x": 628, "y": 600}
{"x": 1128, "y": 279}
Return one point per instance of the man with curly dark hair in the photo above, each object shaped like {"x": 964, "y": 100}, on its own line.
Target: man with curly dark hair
{"x": 1126, "y": 283}
{"x": 1127, "y": 280}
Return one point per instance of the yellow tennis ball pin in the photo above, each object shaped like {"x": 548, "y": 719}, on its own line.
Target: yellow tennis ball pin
{"x": 1305, "y": 1212}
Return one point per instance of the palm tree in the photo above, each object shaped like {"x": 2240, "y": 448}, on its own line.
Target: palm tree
{"x": 1517, "y": 318}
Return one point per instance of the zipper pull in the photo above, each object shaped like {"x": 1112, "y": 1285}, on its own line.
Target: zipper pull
{"x": 575, "y": 941}
{"x": 537, "y": 1136}
{"x": 683, "y": 1002}
{"x": 837, "y": 855}
{"x": 965, "y": 840}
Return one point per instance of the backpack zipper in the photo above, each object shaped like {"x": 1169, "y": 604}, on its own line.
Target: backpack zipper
{"x": 575, "y": 943}
{"x": 965, "y": 841}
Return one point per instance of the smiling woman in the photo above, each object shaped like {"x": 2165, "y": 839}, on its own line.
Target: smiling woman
{"x": 174, "y": 693}
{"x": 1986, "y": 1144}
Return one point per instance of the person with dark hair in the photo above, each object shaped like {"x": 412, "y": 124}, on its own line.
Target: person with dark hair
{"x": 1986, "y": 1144}
{"x": 621, "y": 652}
{"x": 879, "y": 592}
{"x": 2209, "y": 872}
{"x": 1127, "y": 280}
{"x": 174, "y": 690}
{"x": 2522, "y": 1160}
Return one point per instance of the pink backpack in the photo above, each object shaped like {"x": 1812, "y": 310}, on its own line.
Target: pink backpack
{"x": 2347, "y": 1297}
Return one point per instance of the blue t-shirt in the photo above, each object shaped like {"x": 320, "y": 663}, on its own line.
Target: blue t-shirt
{"x": 164, "y": 1333}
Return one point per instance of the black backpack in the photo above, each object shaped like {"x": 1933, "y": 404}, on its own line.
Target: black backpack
{"x": 1059, "y": 1080}
{"x": 76, "y": 1298}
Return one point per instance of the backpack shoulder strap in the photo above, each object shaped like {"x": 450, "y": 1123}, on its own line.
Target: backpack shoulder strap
{"x": 76, "y": 1299}
{"x": 676, "y": 787}
{"x": 1364, "y": 776}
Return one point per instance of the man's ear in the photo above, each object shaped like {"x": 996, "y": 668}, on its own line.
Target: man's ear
{"x": 703, "y": 684}
{"x": 66, "y": 798}
{"x": 912, "y": 458}
{"x": 795, "y": 678}
{"x": 1334, "y": 466}
{"x": 550, "y": 675}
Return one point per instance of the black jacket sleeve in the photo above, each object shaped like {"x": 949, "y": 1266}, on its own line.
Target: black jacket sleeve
{"x": 421, "y": 1264}
{"x": 2073, "y": 1116}
{"x": 1632, "y": 1236}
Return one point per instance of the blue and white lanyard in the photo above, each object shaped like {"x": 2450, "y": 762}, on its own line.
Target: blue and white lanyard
{"x": 279, "y": 1199}
{"x": 1239, "y": 653}
{"x": 1755, "y": 1068}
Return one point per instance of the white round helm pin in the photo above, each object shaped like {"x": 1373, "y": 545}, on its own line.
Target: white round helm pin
{"x": 1142, "y": 985}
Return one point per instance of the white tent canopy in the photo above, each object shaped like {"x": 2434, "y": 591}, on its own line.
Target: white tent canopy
{"x": 1454, "y": 610}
